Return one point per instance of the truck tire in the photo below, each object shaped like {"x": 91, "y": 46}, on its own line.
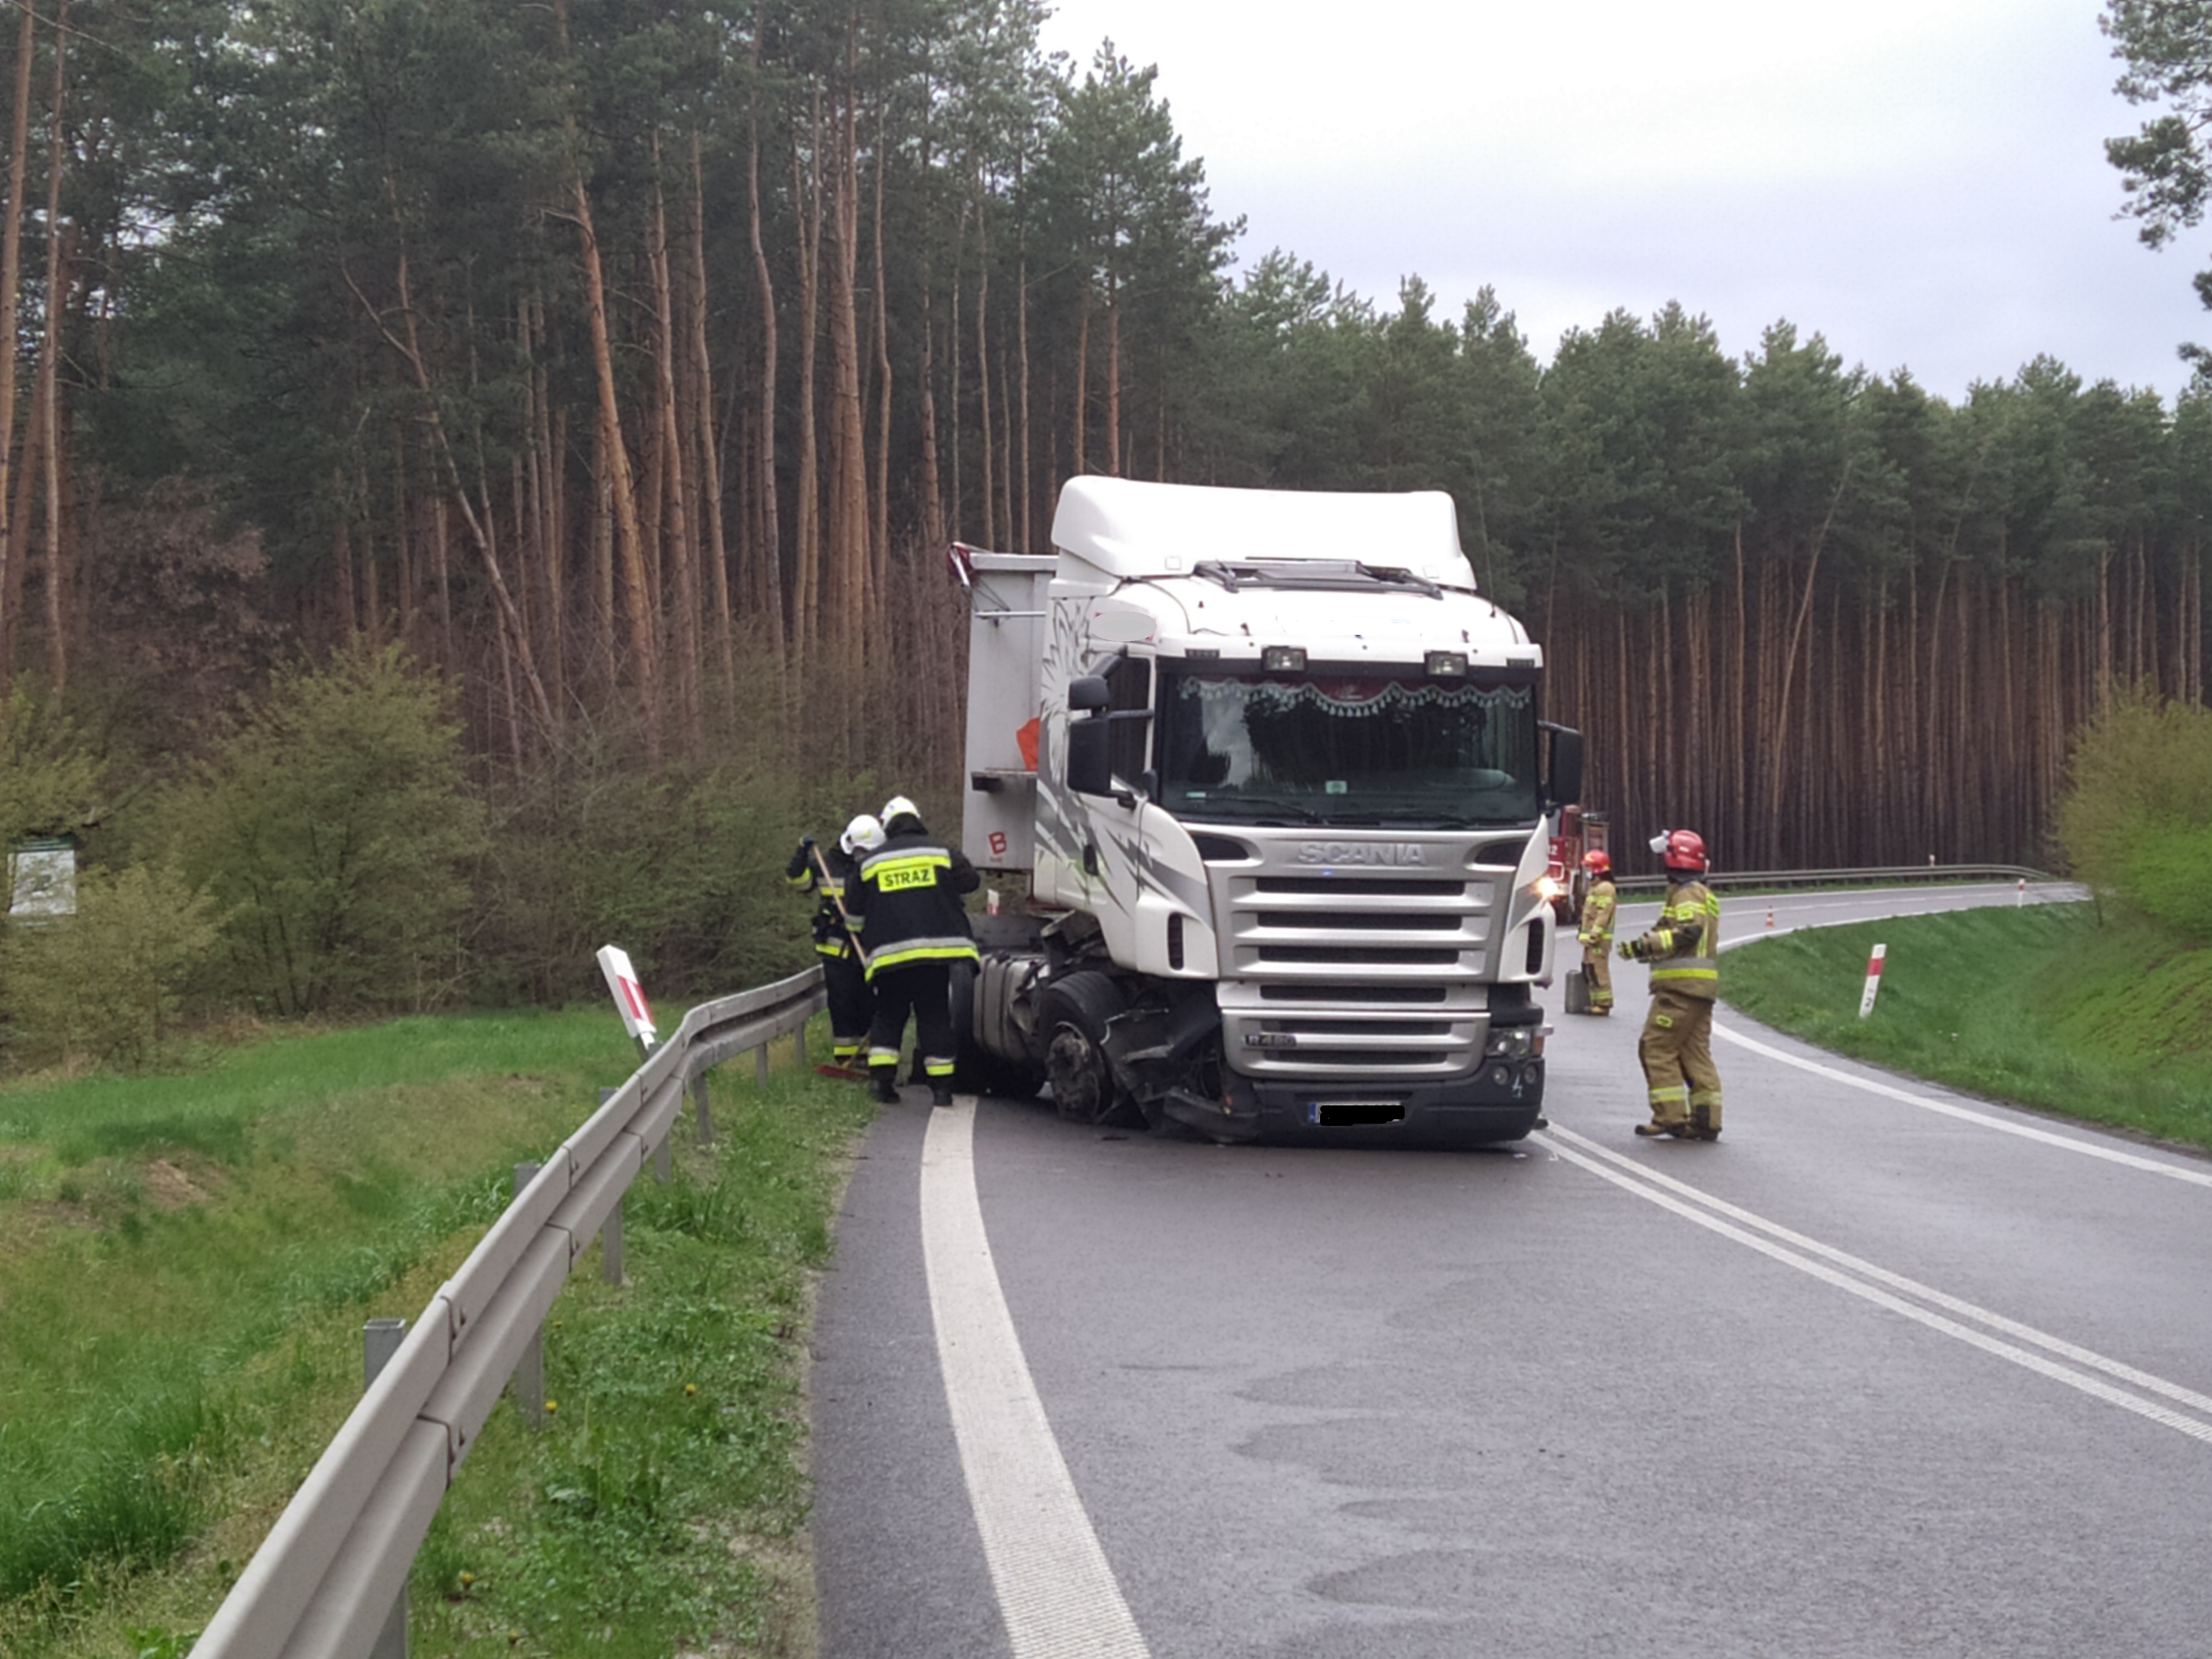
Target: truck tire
{"x": 976, "y": 1069}
{"x": 1071, "y": 1016}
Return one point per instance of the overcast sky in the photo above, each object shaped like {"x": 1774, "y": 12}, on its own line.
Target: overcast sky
{"x": 1922, "y": 182}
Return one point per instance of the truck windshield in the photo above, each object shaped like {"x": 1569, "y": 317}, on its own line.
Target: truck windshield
{"x": 1347, "y": 749}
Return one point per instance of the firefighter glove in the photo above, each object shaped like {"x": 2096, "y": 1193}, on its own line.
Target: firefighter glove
{"x": 1628, "y": 948}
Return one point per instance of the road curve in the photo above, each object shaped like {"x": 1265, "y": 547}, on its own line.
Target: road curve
{"x": 1887, "y": 1370}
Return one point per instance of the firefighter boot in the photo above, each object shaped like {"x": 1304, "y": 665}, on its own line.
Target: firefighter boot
{"x": 940, "y": 1093}
{"x": 1705, "y": 1121}
{"x": 1660, "y": 1125}
{"x": 884, "y": 1082}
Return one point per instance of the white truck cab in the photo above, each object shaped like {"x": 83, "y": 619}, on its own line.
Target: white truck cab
{"x": 1269, "y": 777}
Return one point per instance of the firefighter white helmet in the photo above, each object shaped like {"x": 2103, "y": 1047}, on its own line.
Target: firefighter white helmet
{"x": 863, "y": 834}
{"x": 899, "y": 806}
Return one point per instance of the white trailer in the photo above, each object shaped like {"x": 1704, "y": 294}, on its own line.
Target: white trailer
{"x": 1259, "y": 780}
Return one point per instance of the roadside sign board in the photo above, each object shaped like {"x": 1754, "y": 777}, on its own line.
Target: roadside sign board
{"x": 42, "y": 878}
{"x": 628, "y": 995}
{"x": 1874, "y": 980}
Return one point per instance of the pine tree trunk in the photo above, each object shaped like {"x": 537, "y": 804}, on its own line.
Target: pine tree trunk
{"x": 630, "y": 551}
{"x": 441, "y": 556}
{"x": 1082, "y": 386}
{"x": 683, "y": 546}
{"x": 1113, "y": 382}
{"x": 603, "y": 557}
{"x": 765, "y": 566}
{"x": 548, "y": 473}
{"x": 342, "y": 559}
{"x": 983, "y": 365}
{"x": 880, "y": 519}
{"x": 11, "y": 257}
{"x": 849, "y": 556}
{"x": 806, "y": 568}
{"x": 61, "y": 240}
{"x": 702, "y": 428}
{"x": 402, "y": 551}
{"x": 957, "y": 500}
{"x": 1029, "y": 534}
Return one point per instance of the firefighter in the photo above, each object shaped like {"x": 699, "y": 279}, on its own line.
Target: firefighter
{"x": 1595, "y": 931}
{"x": 830, "y": 874}
{"x": 1685, "y": 952}
{"x": 905, "y": 907}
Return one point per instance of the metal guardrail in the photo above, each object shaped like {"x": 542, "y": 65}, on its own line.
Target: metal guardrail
{"x": 1938, "y": 872}
{"x": 330, "y": 1570}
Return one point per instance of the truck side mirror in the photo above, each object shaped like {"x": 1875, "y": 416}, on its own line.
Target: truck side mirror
{"x": 1564, "y": 782}
{"x": 1092, "y": 691}
{"x": 1090, "y": 770}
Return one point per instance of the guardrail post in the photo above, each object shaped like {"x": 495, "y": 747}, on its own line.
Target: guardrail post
{"x": 611, "y": 1246}
{"x": 699, "y": 1104}
{"x": 610, "y": 1230}
{"x": 530, "y": 1370}
{"x": 379, "y": 1341}
{"x": 760, "y": 1067}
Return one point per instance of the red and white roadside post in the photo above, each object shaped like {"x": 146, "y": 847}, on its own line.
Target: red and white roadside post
{"x": 1874, "y": 980}
{"x": 630, "y": 997}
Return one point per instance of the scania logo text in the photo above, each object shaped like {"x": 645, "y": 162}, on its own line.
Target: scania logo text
{"x": 1362, "y": 852}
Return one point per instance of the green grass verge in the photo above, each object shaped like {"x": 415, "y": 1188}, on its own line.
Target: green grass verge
{"x": 185, "y": 1265}
{"x": 2037, "y": 1003}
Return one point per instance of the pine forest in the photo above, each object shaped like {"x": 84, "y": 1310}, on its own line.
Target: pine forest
{"x": 634, "y": 362}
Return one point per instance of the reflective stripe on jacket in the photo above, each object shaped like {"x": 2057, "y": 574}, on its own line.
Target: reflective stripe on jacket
{"x": 1596, "y": 926}
{"x": 905, "y": 902}
{"x": 830, "y": 939}
{"x": 1685, "y": 949}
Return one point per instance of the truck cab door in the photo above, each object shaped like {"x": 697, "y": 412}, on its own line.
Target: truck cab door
{"x": 1109, "y": 717}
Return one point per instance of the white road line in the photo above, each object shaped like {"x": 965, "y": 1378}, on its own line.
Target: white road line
{"x": 1055, "y": 1589}
{"x": 2196, "y": 1178}
{"x": 1898, "y": 1282}
{"x": 2183, "y": 1172}
{"x": 1575, "y": 1149}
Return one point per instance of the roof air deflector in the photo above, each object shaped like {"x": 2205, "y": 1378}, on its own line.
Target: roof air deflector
{"x": 1346, "y": 576}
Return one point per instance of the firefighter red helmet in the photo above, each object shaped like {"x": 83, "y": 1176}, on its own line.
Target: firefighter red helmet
{"x": 1598, "y": 861}
{"x": 1685, "y": 850}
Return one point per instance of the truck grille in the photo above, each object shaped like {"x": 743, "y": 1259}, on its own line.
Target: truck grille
{"x": 1417, "y": 942}
{"x": 1352, "y": 994}
{"x": 1300, "y": 926}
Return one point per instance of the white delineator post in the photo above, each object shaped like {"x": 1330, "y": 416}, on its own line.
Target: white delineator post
{"x": 629, "y": 996}
{"x": 1874, "y": 980}
{"x": 2021, "y": 897}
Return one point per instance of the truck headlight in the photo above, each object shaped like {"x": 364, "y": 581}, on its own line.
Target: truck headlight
{"x": 1513, "y": 1042}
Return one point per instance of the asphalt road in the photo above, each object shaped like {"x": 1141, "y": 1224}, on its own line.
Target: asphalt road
{"x": 1886, "y": 1370}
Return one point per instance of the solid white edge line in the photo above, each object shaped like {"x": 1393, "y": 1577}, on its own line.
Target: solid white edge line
{"x": 2092, "y": 1386}
{"x": 1967, "y": 1115}
{"x": 1055, "y": 1589}
{"x": 1898, "y": 1282}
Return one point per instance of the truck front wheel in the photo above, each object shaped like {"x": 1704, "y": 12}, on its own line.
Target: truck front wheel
{"x": 1072, "y": 1016}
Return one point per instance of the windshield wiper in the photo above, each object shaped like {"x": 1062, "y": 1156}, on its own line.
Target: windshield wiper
{"x": 1243, "y": 804}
